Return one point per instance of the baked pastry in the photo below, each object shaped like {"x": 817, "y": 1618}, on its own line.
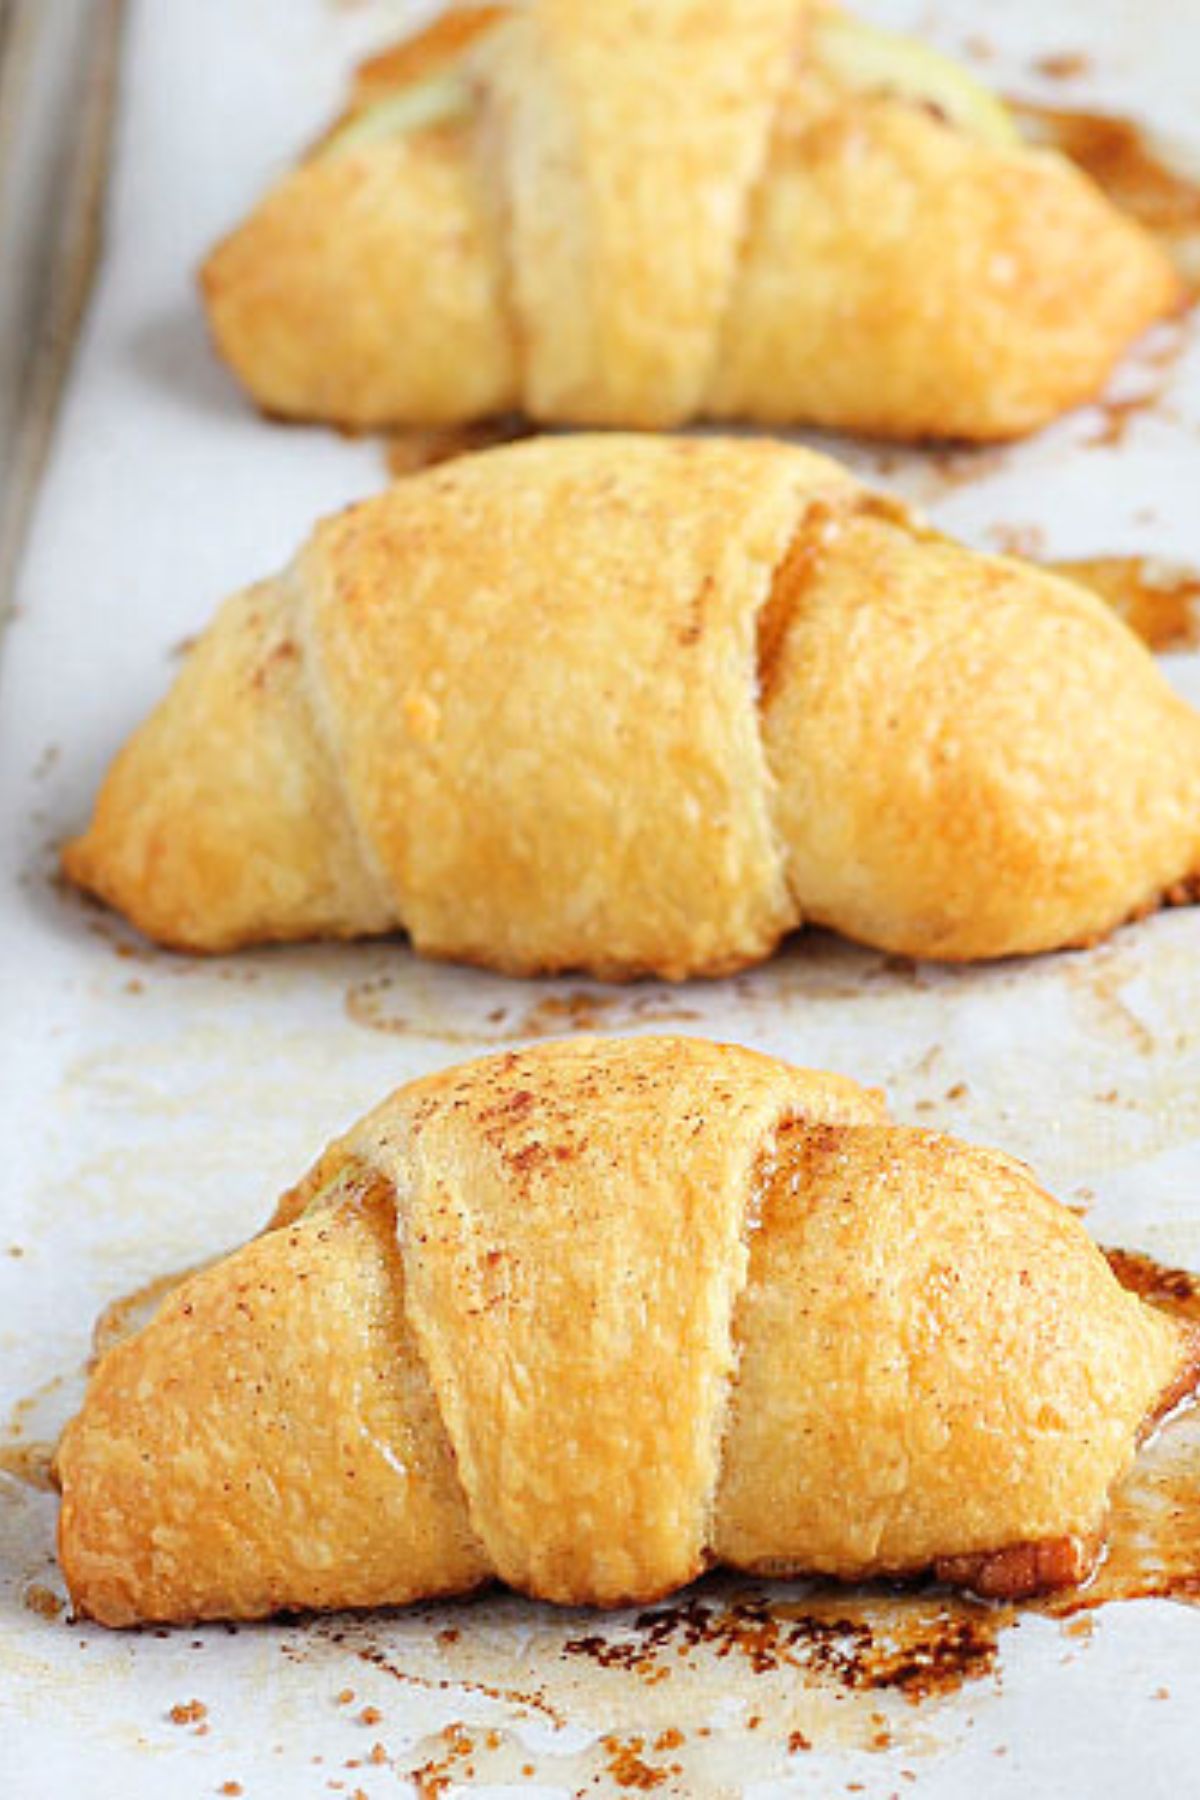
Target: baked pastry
{"x": 591, "y": 1317}
{"x": 639, "y": 215}
{"x": 637, "y": 705}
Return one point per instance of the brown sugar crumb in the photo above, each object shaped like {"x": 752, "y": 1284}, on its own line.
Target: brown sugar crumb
{"x": 797, "y": 1741}
{"x": 626, "y": 1767}
{"x": 43, "y": 1601}
{"x": 668, "y": 1740}
{"x": 433, "y": 1777}
{"x": 230, "y": 1787}
{"x": 188, "y": 1712}
{"x": 378, "y": 1754}
{"x": 1062, "y": 66}
{"x": 370, "y": 1715}
{"x": 345, "y": 1697}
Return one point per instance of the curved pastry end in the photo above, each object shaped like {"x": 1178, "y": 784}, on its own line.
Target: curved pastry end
{"x": 1022, "y": 1571}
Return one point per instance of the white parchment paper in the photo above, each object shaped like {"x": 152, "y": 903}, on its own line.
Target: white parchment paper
{"x": 153, "y": 1107}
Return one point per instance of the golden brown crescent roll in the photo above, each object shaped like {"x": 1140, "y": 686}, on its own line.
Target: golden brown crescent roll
{"x": 639, "y": 215}
{"x": 645, "y": 704}
{"x": 592, "y": 1317}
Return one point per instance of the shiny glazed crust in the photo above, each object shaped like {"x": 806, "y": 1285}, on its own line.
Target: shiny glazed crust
{"x": 646, "y": 215}
{"x": 639, "y": 704}
{"x": 591, "y": 1317}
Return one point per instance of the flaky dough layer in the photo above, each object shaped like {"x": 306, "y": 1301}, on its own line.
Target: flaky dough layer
{"x": 622, "y": 215}
{"x": 634, "y": 704}
{"x": 593, "y": 1316}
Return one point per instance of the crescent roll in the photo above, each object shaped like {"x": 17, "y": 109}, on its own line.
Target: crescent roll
{"x": 639, "y": 215}
{"x": 592, "y": 1317}
{"x": 636, "y": 705}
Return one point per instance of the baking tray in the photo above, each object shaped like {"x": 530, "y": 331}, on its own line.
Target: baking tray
{"x": 153, "y": 1106}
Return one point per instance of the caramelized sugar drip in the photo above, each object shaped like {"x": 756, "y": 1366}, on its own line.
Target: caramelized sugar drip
{"x": 1159, "y": 601}
{"x": 1022, "y": 1571}
{"x": 1175, "y": 1290}
{"x": 423, "y": 447}
{"x": 1123, "y": 160}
